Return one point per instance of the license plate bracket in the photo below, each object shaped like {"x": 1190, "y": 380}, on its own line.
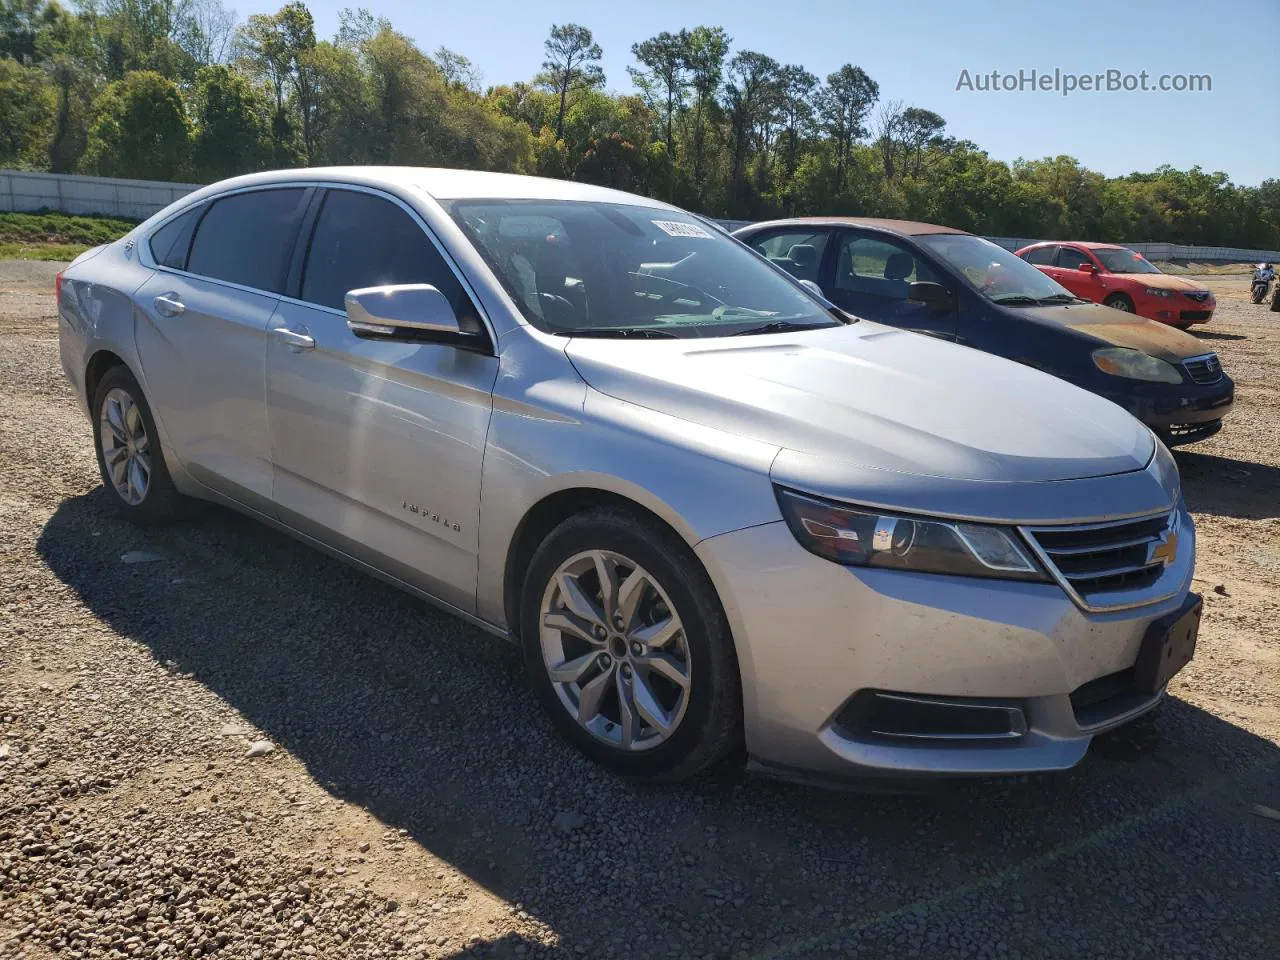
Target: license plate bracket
{"x": 1169, "y": 645}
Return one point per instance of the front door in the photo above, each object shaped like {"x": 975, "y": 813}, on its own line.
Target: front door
{"x": 201, "y": 336}
{"x": 1083, "y": 283}
{"x": 873, "y": 277}
{"x": 377, "y": 445}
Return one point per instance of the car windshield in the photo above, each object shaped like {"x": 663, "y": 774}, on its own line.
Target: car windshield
{"x": 616, "y": 270}
{"x": 1124, "y": 260}
{"x": 1001, "y": 276}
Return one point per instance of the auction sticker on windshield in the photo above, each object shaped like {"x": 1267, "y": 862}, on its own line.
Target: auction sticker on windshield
{"x": 674, "y": 228}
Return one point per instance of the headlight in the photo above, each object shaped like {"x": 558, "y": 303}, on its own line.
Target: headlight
{"x": 868, "y": 538}
{"x": 1134, "y": 364}
{"x": 1157, "y": 292}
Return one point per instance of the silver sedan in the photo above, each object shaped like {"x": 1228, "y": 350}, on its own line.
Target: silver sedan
{"x": 720, "y": 516}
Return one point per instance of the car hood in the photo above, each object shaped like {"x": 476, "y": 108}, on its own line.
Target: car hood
{"x": 1120, "y": 329}
{"x": 1164, "y": 281}
{"x": 878, "y": 398}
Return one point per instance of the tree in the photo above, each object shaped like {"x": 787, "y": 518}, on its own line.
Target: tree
{"x": 797, "y": 86}
{"x": 21, "y": 23}
{"x": 66, "y": 51}
{"x": 276, "y": 49}
{"x": 572, "y": 65}
{"x": 664, "y": 82}
{"x": 232, "y": 134}
{"x": 752, "y": 101}
{"x": 139, "y": 130}
{"x": 708, "y": 46}
{"x": 27, "y": 107}
{"x": 843, "y": 105}
{"x": 457, "y": 70}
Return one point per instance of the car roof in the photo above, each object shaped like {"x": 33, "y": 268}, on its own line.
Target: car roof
{"x": 906, "y": 228}
{"x": 1087, "y": 244}
{"x": 442, "y": 183}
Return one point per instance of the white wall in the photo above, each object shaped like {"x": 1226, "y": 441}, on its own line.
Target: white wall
{"x": 25, "y": 192}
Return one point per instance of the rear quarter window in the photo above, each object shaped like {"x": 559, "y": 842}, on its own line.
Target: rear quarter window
{"x": 170, "y": 244}
{"x": 247, "y": 238}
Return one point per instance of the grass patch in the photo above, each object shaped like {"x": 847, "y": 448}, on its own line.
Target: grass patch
{"x": 55, "y": 236}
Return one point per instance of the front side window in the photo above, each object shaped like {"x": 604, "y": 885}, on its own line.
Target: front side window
{"x": 246, "y": 238}
{"x": 1069, "y": 258}
{"x": 878, "y": 267}
{"x": 1124, "y": 260}
{"x": 1041, "y": 256}
{"x": 169, "y": 244}
{"x": 607, "y": 269}
{"x": 361, "y": 240}
{"x": 1001, "y": 276}
{"x": 797, "y": 252}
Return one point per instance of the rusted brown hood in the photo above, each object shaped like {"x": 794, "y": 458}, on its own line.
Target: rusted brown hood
{"x": 1126, "y": 330}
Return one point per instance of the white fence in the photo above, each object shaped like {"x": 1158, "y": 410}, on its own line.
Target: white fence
{"x": 138, "y": 199}
{"x": 25, "y": 192}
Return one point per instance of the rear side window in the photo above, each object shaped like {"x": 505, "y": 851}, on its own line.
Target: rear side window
{"x": 246, "y": 238}
{"x": 1041, "y": 255}
{"x": 798, "y": 253}
{"x": 169, "y": 244}
{"x": 365, "y": 241}
{"x": 1070, "y": 258}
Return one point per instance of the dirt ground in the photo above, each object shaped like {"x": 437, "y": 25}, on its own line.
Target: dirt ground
{"x": 412, "y": 802}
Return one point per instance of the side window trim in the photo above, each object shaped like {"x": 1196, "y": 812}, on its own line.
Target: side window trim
{"x": 149, "y": 261}
{"x": 312, "y": 218}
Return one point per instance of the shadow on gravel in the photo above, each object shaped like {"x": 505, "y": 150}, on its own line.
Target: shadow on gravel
{"x": 1142, "y": 850}
{"x": 1215, "y": 335}
{"x": 1226, "y": 487}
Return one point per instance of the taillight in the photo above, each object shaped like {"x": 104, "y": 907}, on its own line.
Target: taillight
{"x": 57, "y": 289}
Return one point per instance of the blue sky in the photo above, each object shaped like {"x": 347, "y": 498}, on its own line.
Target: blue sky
{"x": 916, "y": 51}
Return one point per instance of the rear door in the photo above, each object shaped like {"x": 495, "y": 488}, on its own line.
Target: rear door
{"x": 377, "y": 445}
{"x": 201, "y": 333}
{"x": 872, "y": 278}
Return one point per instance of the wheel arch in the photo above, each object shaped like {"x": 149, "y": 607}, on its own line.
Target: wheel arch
{"x": 99, "y": 363}
{"x": 548, "y": 513}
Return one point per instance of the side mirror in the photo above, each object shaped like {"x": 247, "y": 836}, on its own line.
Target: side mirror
{"x": 1087, "y": 267}
{"x": 407, "y": 311}
{"x": 925, "y": 291}
{"x": 813, "y": 288}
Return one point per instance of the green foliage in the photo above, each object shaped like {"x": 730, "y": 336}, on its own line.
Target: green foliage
{"x": 55, "y": 236}
{"x": 140, "y": 130}
{"x": 27, "y": 108}
{"x": 171, "y": 89}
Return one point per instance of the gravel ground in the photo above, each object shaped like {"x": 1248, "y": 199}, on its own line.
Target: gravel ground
{"x": 235, "y": 747}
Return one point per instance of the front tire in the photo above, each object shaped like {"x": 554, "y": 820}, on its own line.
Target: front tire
{"x": 1118, "y": 301}
{"x": 129, "y": 456}
{"x": 628, "y": 647}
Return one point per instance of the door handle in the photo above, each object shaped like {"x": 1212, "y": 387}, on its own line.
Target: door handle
{"x": 296, "y": 340}
{"x": 168, "y": 305}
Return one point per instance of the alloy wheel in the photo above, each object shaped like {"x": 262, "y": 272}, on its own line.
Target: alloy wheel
{"x": 126, "y": 448}
{"x": 615, "y": 650}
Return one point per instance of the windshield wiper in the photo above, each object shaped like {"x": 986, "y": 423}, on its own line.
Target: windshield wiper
{"x": 778, "y": 326}
{"x": 1063, "y": 298}
{"x": 620, "y": 333}
{"x": 1017, "y": 300}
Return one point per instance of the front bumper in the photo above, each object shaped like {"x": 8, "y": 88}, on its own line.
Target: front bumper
{"x": 1180, "y": 310}
{"x": 812, "y": 635}
{"x": 1180, "y": 413}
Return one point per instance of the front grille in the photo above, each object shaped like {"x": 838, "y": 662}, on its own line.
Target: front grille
{"x": 1198, "y": 297}
{"x": 1206, "y": 369}
{"x": 1194, "y": 316}
{"x": 1094, "y": 560}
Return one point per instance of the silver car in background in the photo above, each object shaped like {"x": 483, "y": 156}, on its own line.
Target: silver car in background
{"x": 716, "y": 512}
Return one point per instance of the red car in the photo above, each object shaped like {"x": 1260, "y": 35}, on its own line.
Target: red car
{"x": 1118, "y": 277}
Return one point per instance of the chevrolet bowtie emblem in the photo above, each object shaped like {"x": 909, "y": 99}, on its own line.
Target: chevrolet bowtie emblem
{"x": 1163, "y": 550}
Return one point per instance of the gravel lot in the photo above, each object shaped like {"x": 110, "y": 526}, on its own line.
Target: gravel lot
{"x": 414, "y": 803}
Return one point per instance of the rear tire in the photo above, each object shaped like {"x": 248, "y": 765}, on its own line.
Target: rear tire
{"x": 130, "y": 460}
{"x": 655, "y": 635}
{"x": 1119, "y": 301}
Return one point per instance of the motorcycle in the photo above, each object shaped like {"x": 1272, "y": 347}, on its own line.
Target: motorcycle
{"x": 1260, "y": 286}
